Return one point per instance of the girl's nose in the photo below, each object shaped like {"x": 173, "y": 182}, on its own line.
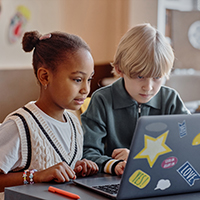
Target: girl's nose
{"x": 86, "y": 88}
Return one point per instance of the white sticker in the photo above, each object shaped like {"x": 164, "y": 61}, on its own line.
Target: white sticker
{"x": 163, "y": 184}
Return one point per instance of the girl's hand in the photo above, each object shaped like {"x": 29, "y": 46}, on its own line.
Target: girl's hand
{"x": 85, "y": 167}
{"x": 119, "y": 168}
{"x": 120, "y": 154}
{"x": 59, "y": 173}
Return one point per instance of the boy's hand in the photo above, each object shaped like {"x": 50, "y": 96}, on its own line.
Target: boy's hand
{"x": 85, "y": 167}
{"x": 59, "y": 173}
{"x": 120, "y": 154}
{"x": 119, "y": 168}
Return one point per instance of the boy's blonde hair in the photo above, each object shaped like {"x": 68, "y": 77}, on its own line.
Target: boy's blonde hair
{"x": 144, "y": 51}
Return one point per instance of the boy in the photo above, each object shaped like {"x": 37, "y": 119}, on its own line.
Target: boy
{"x": 142, "y": 60}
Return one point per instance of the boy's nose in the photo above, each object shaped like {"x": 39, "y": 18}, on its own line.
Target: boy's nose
{"x": 148, "y": 85}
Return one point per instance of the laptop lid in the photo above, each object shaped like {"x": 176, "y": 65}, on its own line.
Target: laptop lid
{"x": 164, "y": 157}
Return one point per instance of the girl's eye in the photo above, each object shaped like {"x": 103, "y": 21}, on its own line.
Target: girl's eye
{"x": 157, "y": 78}
{"x": 90, "y": 79}
{"x": 78, "y": 80}
{"x": 140, "y": 77}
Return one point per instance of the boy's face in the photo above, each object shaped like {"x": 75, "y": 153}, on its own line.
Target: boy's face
{"x": 142, "y": 89}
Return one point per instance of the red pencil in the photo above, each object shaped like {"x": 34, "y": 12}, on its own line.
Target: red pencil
{"x": 63, "y": 192}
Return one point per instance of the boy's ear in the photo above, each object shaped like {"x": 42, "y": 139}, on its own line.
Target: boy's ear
{"x": 118, "y": 71}
{"x": 43, "y": 76}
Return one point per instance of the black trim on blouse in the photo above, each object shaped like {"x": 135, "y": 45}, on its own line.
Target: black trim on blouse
{"x": 28, "y": 139}
{"x": 75, "y": 136}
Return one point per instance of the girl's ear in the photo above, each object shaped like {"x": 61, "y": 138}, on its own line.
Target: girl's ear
{"x": 43, "y": 76}
{"x": 118, "y": 71}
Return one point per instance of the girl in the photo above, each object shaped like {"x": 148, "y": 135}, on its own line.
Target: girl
{"x": 42, "y": 142}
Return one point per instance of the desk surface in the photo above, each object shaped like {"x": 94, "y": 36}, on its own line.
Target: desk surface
{"x": 39, "y": 191}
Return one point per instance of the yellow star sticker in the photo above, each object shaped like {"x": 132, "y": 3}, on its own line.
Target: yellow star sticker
{"x": 153, "y": 148}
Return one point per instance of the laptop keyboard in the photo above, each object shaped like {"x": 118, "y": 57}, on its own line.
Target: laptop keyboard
{"x": 111, "y": 189}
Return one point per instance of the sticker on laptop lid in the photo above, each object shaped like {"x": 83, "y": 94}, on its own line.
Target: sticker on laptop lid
{"x": 182, "y": 129}
{"x": 163, "y": 184}
{"x": 169, "y": 162}
{"x": 196, "y": 140}
{"x": 188, "y": 173}
{"x": 153, "y": 148}
{"x": 140, "y": 179}
{"x": 156, "y": 127}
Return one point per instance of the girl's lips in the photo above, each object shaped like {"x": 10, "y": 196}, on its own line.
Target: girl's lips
{"x": 79, "y": 101}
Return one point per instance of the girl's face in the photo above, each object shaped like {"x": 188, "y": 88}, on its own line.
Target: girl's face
{"x": 142, "y": 89}
{"x": 69, "y": 85}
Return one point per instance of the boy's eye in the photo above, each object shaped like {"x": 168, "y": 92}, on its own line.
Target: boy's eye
{"x": 157, "y": 78}
{"x": 140, "y": 77}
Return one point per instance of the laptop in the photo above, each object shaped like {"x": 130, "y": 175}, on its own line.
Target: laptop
{"x": 164, "y": 159}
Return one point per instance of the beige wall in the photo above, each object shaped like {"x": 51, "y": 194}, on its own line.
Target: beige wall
{"x": 43, "y": 18}
{"x": 101, "y": 23}
{"x": 17, "y": 87}
{"x": 143, "y": 11}
{"x": 186, "y": 55}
